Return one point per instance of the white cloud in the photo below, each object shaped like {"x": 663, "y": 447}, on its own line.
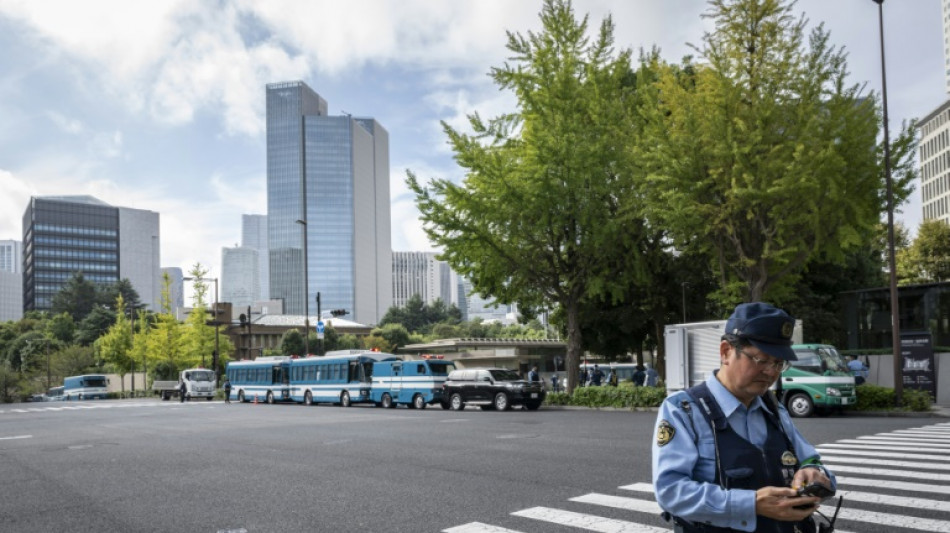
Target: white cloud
{"x": 13, "y": 203}
{"x": 69, "y": 125}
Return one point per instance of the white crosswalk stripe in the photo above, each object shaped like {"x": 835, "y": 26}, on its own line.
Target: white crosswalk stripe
{"x": 59, "y": 406}
{"x": 900, "y": 476}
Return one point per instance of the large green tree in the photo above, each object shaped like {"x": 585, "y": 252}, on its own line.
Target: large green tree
{"x": 766, "y": 157}
{"x": 538, "y": 219}
{"x": 927, "y": 259}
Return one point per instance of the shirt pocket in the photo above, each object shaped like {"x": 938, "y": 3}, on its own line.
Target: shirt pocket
{"x": 739, "y": 477}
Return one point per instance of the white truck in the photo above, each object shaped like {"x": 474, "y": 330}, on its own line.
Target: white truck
{"x": 199, "y": 383}
{"x": 819, "y": 380}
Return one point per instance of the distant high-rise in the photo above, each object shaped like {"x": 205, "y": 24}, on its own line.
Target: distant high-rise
{"x": 421, "y": 273}
{"x": 484, "y": 308}
{"x": 11, "y": 280}
{"x": 254, "y": 236}
{"x": 63, "y": 235}
{"x": 328, "y": 179}
{"x": 176, "y": 287}
{"x": 934, "y": 149}
{"x": 240, "y": 281}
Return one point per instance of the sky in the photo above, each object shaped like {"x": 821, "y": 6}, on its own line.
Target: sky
{"x": 159, "y": 105}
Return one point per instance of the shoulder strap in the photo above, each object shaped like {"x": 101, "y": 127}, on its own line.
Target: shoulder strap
{"x": 709, "y": 406}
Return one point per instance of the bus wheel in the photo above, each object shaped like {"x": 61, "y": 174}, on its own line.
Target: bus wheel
{"x": 456, "y": 402}
{"x": 345, "y": 399}
{"x": 387, "y": 401}
{"x": 800, "y": 405}
{"x": 501, "y": 401}
{"x": 241, "y": 396}
{"x": 308, "y": 398}
{"x": 270, "y": 397}
{"x": 418, "y": 402}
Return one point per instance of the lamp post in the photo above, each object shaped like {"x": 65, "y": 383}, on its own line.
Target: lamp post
{"x": 214, "y": 356}
{"x": 306, "y": 298}
{"x": 891, "y": 260}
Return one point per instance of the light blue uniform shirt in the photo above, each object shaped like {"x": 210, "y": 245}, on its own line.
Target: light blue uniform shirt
{"x": 684, "y": 469}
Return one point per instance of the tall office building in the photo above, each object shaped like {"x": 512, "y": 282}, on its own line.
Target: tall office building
{"x": 240, "y": 276}
{"x": 63, "y": 235}
{"x": 934, "y": 150}
{"x": 254, "y": 236}
{"x": 484, "y": 308}
{"x": 328, "y": 195}
{"x": 421, "y": 273}
{"x": 176, "y": 287}
{"x": 11, "y": 280}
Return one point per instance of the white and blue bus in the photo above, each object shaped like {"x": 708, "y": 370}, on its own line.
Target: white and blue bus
{"x": 413, "y": 383}
{"x": 339, "y": 379}
{"x": 264, "y": 379}
{"x": 86, "y": 387}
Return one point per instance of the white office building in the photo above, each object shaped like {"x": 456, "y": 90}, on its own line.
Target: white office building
{"x": 11, "y": 280}
{"x": 240, "y": 276}
{"x": 254, "y": 236}
{"x": 421, "y": 273}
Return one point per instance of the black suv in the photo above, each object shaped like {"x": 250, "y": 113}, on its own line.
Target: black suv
{"x": 490, "y": 388}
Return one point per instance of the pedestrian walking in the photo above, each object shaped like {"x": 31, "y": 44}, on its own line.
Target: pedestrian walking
{"x": 182, "y": 391}
{"x": 227, "y": 390}
{"x": 554, "y": 382}
{"x": 726, "y": 455}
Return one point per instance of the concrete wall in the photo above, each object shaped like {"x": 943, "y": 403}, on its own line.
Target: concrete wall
{"x": 881, "y": 373}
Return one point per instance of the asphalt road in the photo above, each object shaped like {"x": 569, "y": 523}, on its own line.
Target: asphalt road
{"x": 130, "y": 466}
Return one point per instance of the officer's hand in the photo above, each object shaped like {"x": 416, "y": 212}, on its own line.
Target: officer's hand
{"x": 779, "y": 503}
{"x": 807, "y": 476}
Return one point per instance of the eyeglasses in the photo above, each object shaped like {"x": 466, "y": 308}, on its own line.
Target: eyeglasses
{"x": 779, "y": 366}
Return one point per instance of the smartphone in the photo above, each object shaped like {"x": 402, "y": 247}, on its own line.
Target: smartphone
{"x": 816, "y": 489}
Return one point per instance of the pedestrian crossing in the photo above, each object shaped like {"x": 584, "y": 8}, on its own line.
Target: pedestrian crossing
{"x": 891, "y": 482}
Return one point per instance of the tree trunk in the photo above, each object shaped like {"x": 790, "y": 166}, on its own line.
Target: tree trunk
{"x": 574, "y": 346}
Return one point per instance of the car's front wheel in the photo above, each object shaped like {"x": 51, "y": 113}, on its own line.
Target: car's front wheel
{"x": 501, "y": 402}
{"x": 270, "y": 397}
{"x": 800, "y": 405}
{"x": 456, "y": 402}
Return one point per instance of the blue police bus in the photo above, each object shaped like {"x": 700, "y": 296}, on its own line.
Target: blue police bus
{"x": 335, "y": 377}
{"x": 265, "y": 379}
{"x": 86, "y": 387}
{"x": 413, "y": 383}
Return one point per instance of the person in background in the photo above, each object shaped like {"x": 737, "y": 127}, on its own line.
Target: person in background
{"x": 227, "y": 390}
{"x": 533, "y": 374}
{"x": 858, "y": 370}
{"x": 596, "y": 376}
{"x": 639, "y": 376}
{"x": 652, "y": 377}
{"x": 182, "y": 391}
{"x": 554, "y": 383}
{"x": 726, "y": 455}
{"x": 612, "y": 378}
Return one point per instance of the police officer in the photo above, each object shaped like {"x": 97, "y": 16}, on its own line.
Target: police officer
{"x": 182, "y": 391}
{"x": 726, "y": 456}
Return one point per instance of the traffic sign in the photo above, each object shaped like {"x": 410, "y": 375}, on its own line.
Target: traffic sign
{"x": 320, "y": 329}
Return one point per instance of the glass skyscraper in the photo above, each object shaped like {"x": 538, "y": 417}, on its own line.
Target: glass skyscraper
{"x": 328, "y": 179}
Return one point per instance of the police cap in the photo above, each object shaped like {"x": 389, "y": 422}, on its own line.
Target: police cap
{"x": 765, "y": 326}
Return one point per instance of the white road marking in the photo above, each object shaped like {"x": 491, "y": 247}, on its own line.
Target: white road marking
{"x": 619, "y": 502}
{"x": 887, "y": 519}
{"x": 891, "y": 440}
{"x": 888, "y": 473}
{"x": 884, "y": 462}
{"x": 586, "y": 521}
{"x": 17, "y": 437}
{"x": 893, "y": 485}
{"x": 899, "y": 501}
{"x": 893, "y": 448}
{"x": 893, "y": 455}
{"x": 478, "y": 527}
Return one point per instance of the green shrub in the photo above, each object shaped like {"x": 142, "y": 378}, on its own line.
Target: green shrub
{"x": 627, "y": 397}
{"x": 875, "y": 398}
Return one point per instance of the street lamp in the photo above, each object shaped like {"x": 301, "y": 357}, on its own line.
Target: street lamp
{"x": 214, "y": 356}
{"x": 891, "y": 259}
{"x": 306, "y": 298}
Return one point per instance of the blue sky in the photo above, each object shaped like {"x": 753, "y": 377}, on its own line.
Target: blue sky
{"x": 159, "y": 105}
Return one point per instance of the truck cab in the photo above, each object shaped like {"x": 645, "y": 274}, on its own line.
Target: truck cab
{"x": 819, "y": 380}
{"x": 199, "y": 383}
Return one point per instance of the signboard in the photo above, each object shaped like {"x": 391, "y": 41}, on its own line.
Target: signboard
{"x": 320, "y": 329}
{"x": 917, "y": 354}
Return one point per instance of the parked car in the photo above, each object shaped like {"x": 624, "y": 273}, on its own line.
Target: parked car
{"x": 490, "y": 388}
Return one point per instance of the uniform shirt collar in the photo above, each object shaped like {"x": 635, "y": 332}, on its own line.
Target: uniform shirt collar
{"x": 727, "y": 402}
